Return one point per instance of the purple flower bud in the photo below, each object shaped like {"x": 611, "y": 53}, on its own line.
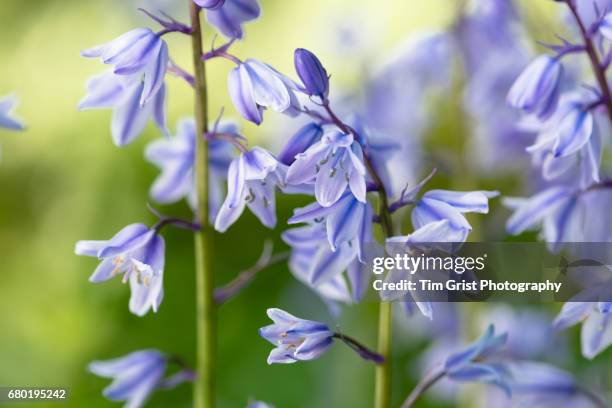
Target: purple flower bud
{"x": 209, "y": 4}
{"x": 300, "y": 142}
{"x": 311, "y": 72}
{"x": 536, "y": 90}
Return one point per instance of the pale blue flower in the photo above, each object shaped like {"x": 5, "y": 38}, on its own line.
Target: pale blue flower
{"x": 110, "y": 91}
{"x": 477, "y": 363}
{"x": 175, "y": 157}
{"x": 596, "y": 318}
{"x": 7, "y": 120}
{"x": 137, "y": 253}
{"x": 332, "y": 164}
{"x": 295, "y": 339}
{"x": 139, "y": 55}
{"x": 254, "y": 86}
{"x": 536, "y": 90}
{"x": 551, "y": 205}
{"x": 252, "y": 179}
{"x": 439, "y": 205}
{"x": 136, "y": 376}
{"x": 313, "y": 262}
{"x": 348, "y": 220}
{"x": 231, "y": 15}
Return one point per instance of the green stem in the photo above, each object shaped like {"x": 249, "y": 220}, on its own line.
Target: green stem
{"x": 382, "y": 391}
{"x": 204, "y": 386}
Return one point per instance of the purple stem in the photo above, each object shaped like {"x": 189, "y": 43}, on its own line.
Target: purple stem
{"x": 359, "y": 348}
{"x": 181, "y": 73}
{"x": 598, "y": 69}
{"x": 429, "y": 380}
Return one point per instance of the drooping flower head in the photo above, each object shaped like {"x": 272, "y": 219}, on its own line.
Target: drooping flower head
{"x": 332, "y": 164}
{"x": 295, "y": 339}
{"x": 111, "y": 91}
{"x": 137, "y": 253}
{"x": 440, "y": 205}
{"x": 228, "y": 16}
{"x": 312, "y": 73}
{"x": 136, "y": 376}
{"x": 7, "y": 120}
{"x": 477, "y": 362}
{"x": 138, "y": 55}
{"x": 255, "y": 86}
{"x": 596, "y": 318}
{"x": 536, "y": 90}
{"x": 252, "y": 181}
{"x": 176, "y": 156}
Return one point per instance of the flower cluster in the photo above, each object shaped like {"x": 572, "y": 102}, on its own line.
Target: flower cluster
{"x": 349, "y": 158}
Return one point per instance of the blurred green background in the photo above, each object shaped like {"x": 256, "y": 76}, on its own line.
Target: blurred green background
{"x": 63, "y": 180}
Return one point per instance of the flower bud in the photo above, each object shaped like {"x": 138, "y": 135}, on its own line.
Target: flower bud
{"x": 311, "y": 72}
{"x": 210, "y": 4}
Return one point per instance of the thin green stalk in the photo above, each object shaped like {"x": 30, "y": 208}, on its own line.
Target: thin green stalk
{"x": 382, "y": 391}
{"x": 204, "y": 386}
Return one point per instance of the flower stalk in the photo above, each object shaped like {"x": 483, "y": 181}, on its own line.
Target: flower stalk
{"x": 204, "y": 387}
{"x": 382, "y": 390}
{"x": 598, "y": 67}
{"x": 426, "y": 382}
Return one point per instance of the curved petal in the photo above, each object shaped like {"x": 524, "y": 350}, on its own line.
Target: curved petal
{"x": 129, "y": 118}
{"x": 531, "y": 212}
{"x": 241, "y": 92}
{"x": 130, "y": 238}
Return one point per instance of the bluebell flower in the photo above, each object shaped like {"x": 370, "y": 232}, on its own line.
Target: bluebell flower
{"x": 536, "y": 90}
{"x": 580, "y": 167}
{"x": 137, "y": 253}
{"x": 255, "y": 86}
{"x": 231, "y": 15}
{"x": 312, "y": 73}
{"x": 347, "y": 220}
{"x": 295, "y": 339}
{"x": 438, "y": 205}
{"x": 305, "y": 137}
{"x": 7, "y": 120}
{"x": 139, "y": 55}
{"x": 209, "y": 4}
{"x": 251, "y": 181}
{"x": 596, "y": 318}
{"x": 332, "y": 164}
{"x": 314, "y": 263}
{"x": 570, "y": 128}
{"x": 135, "y": 376}
{"x": 552, "y": 205}
{"x": 477, "y": 363}
{"x": 129, "y": 117}
{"x": 175, "y": 157}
